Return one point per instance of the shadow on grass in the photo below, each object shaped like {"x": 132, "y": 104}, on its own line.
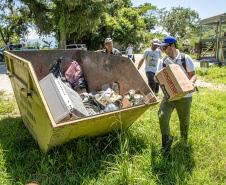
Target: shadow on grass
{"x": 174, "y": 167}
{"x": 81, "y": 160}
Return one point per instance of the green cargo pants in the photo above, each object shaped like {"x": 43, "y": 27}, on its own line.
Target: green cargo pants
{"x": 182, "y": 106}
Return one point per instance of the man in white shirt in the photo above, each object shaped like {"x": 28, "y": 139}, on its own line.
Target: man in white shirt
{"x": 184, "y": 104}
{"x": 129, "y": 51}
{"x": 151, "y": 57}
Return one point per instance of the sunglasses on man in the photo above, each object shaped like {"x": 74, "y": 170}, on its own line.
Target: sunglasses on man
{"x": 165, "y": 47}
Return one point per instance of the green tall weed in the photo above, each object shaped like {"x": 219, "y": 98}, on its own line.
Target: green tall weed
{"x": 122, "y": 157}
{"x": 7, "y": 104}
{"x": 212, "y": 74}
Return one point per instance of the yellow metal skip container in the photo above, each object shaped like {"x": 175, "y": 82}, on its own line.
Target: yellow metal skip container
{"x": 27, "y": 68}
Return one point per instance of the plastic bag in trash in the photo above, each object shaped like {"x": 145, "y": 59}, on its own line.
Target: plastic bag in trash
{"x": 73, "y": 73}
{"x": 80, "y": 86}
{"x": 111, "y": 107}
{"x": 55, "y": 68}
{"x": 115, "y": 87}
{"x": 91, "y": 109}
{"x": 80, "y": 80}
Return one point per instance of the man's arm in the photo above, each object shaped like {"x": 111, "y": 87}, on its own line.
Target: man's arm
{"x": 140, "y": 63}
{"x": 192, "y": 77}
{"x": 190, "y": 69}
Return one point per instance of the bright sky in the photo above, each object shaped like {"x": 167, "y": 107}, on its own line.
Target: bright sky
{"x": 205, "y": 9}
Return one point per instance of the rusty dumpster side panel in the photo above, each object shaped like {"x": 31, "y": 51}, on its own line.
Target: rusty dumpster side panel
{"x": 26, "y": 68}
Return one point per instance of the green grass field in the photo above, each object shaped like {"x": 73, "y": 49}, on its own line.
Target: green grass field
{"x": 213, "y": 74}
{"x": 125, "y": 157}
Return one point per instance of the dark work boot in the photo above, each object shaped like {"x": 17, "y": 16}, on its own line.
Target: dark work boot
{"x": 166, "y": 143}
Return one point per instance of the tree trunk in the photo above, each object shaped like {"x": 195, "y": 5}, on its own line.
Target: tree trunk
{"x": 62, "y": 43}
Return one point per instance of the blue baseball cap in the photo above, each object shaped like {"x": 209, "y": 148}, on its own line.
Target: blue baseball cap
{"x": 168, "y": 39}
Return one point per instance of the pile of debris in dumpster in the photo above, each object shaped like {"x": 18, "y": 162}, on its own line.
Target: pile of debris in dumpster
{"x": 68, "y": 99}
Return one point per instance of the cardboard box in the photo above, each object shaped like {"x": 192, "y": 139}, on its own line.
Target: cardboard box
{"x": 114, "y": 97}
{"x": 109, "y": 96}
{"x": 173, "y": 82}
{"x": 105, "y": 99}
{"x": 125, "y": 103}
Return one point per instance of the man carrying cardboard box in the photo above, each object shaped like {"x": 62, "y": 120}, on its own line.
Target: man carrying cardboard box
{"x": 182, "y": 105}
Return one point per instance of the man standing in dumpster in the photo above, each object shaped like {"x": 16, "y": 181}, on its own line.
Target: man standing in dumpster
{"x": 151, "y": 57}
{"x": 183, "y": 105}
{"x": 109, "y": 48}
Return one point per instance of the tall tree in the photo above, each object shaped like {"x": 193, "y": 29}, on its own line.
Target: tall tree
{"x": 180, "y": 21}
{"x": 14, "y": 20}
{"x": 113, "y": 6}
{"x": 128, "y": 27}
{"x": 65, "y": 17}
{"x": 121, "y": 22}
{"x": 148, "y": 13}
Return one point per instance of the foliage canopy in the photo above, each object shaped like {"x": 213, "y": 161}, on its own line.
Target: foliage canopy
{"x": 91, "y": 21}
{"x": 63, "y": 18}
{"x": 14, "y": 20}
{"x": 180, "y": 21}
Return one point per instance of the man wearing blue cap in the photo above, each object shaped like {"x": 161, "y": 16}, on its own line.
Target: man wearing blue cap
{"x": 169, "y": 46}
